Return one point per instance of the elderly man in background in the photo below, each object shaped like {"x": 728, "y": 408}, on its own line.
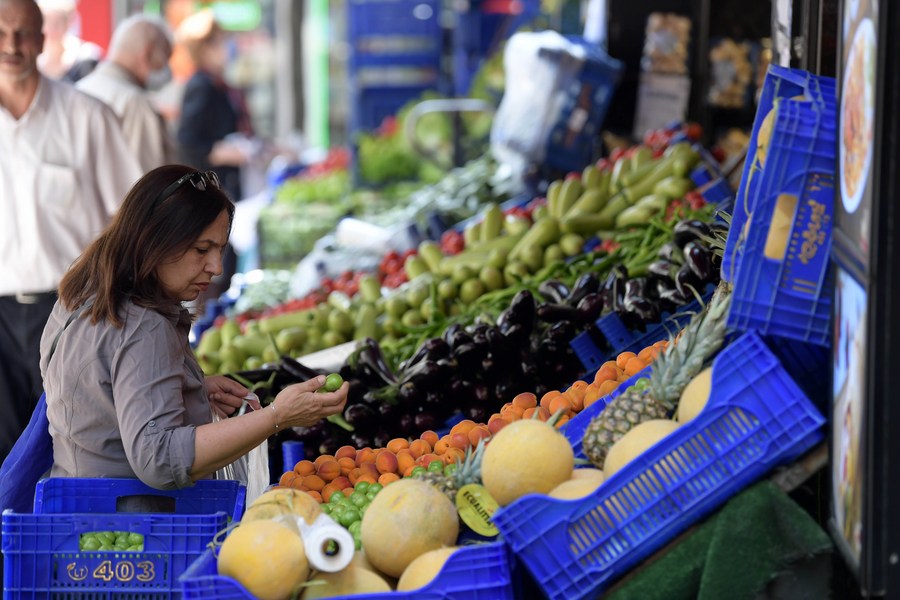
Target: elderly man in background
{"x": 64, "y": 170}
{"x": 137, "y": 62}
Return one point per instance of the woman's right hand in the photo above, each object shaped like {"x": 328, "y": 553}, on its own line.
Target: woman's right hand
{"x": 300, "y": 405}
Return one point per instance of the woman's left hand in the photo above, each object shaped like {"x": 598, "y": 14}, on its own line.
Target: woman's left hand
{"x": 226, "y": 395}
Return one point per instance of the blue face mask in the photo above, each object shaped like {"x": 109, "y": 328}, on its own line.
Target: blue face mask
{"x": 156, "y": 80}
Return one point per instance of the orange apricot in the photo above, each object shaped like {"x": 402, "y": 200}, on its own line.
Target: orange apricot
{"x": 367, "y": 477}
{"x": 646, "y": 354}
{"x": 297, "y": 484}
{"x": 345, "y": 452}
{"x": 525, "y": 400}
{"x": 511, "y": 412}
{"x": 366, "y": 455}
{"x": 419, "y": 447}
{"x": 591, "y": 394}
{"x": 322, "y": 458}
{"x": 315, "y": 495}
{"x": 329, "y": 490}
{"x": 430, "y": 436}
{"x": 634, "y": 365}
{"x": 313, "y": 482}
{"x": 459, "y": 440}
{"x": 397, "y": 444}
{"x": 548, "y": 397}
{"x": 441, "y": 446}
{"x": 329, "y": 470}
{"x": 496, "y": 425}
{"x": 341, "y": 482}
{"x": 479, "y": 433}
{"x": 287, "y": 478}
{"x": 405, "y": 459}
{"x": 347, "y": 465}
{"x": 354, "y": 476}
{"x": 452, "y": 455}
{"x": 386, "y": 462}
{"x": 462, "y": 427}
{"x": 304, "y": 467}
{"x": 349, "y": 491}
{"x": 387, "y": 478}
{"x": 370, "y": 469}
{"x": 607, "y": 387}
{"x": 408, "y": 470}
{"x": 575, "y": 398}
{"x": 562, "y": 421}
{"x": 427, "y": 459}
{"x": 623, "y": 358}
{"x": 560, "y": 402}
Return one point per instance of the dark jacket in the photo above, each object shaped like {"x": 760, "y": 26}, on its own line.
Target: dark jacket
{"x": 208, "y": 114}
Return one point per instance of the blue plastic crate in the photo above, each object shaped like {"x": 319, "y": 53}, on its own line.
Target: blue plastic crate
{"x": 476, "y": 572}
{"x": 41, "y": 550}
{"x": 393, "y": 32}
{"x": 756, "y": 419}
{"x": 481, "y": 29}
{"x": 780, "y": 83}
{"x": 370, "y": 105}
{"x": 791, "y": 297}
{"x": 57, "y": 495}
{"x": 571, "y": 140}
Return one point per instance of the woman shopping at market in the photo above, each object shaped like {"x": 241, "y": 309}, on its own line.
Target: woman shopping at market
{"x": 125, "y": 395}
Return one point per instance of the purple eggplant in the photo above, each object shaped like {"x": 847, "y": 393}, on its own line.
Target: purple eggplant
{"x": 552, "y": 313}
{"x": 410, "y": 395}
{"x": 689, "y": 231}
{"x": 587, "y": 283}
{"x": 670, "y": 253}
{"x": 522, "y": 309}
{"x": 424, "y": 421}
{"x": 407, "y": 424}
{"x": 481, "y": 393}
{"x": 554, "y": 291}
{"x": 699, "y": 260}
{"x": 360, "y": 416}
{"x": 687, "y": 282}
{"x": 561, "y": 331}
{"x": 591, "y": 307}
{"x": 479, "y": 414}
{"x": 372, "y": 364}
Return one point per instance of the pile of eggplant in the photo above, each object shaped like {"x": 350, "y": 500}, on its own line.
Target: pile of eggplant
{"x": 683, "y": 268}
{"x": 468, "y": 372}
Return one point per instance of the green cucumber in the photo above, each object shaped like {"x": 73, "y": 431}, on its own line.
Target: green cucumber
{"x": 569, "y": 193}
{"x": 590, "y": 202}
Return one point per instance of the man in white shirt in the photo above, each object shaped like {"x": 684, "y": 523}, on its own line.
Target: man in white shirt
{"x": 137, "y": 62}
{"x": 64, "y": 169}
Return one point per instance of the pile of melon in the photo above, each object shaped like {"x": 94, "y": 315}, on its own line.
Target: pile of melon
{"x": 408, "y": 533}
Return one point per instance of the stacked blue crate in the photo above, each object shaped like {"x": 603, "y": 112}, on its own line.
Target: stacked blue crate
{"x": 395, "y": 56}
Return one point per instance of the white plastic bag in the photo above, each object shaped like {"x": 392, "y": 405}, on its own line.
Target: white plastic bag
{"x": 252, "y": 470}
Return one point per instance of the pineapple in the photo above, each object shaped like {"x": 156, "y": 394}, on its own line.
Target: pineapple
{"x": 672, "y": 371}
{"x": 467, "y": 471}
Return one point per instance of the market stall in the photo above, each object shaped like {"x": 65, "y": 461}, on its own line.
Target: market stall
{"x": 580, "y": 364}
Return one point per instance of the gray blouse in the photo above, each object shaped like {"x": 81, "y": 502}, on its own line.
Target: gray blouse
{"x": 124, "y": 402}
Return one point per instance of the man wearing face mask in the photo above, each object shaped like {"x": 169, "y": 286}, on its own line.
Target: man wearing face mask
{"x": 137, "y": 63}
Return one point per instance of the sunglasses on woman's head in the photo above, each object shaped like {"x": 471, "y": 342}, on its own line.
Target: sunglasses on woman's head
{"x": 200, "y": 181}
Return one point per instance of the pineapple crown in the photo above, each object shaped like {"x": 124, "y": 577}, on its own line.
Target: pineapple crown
{"x": 468, "y": 470}
{"x": 686, "y": 355}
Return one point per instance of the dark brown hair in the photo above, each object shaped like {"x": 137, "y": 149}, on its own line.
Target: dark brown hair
{"x": 146, "y": 231}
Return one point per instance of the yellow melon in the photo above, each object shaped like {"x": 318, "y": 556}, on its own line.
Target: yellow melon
{"x": 695, "y": 396}
{"x": 283, "y": 501}
{"x": 404, "y": 521}
{"x": 526, "y": 457}
{"x": 588, "y": 473}
{"x": 764, "y": 136}
{"x": 346, "y": 582}
{"x": 424, "y": 569}
{"x": 266, "y": 557}
{"x": 575, "y": 488}
{"x": 635, "y": 442}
